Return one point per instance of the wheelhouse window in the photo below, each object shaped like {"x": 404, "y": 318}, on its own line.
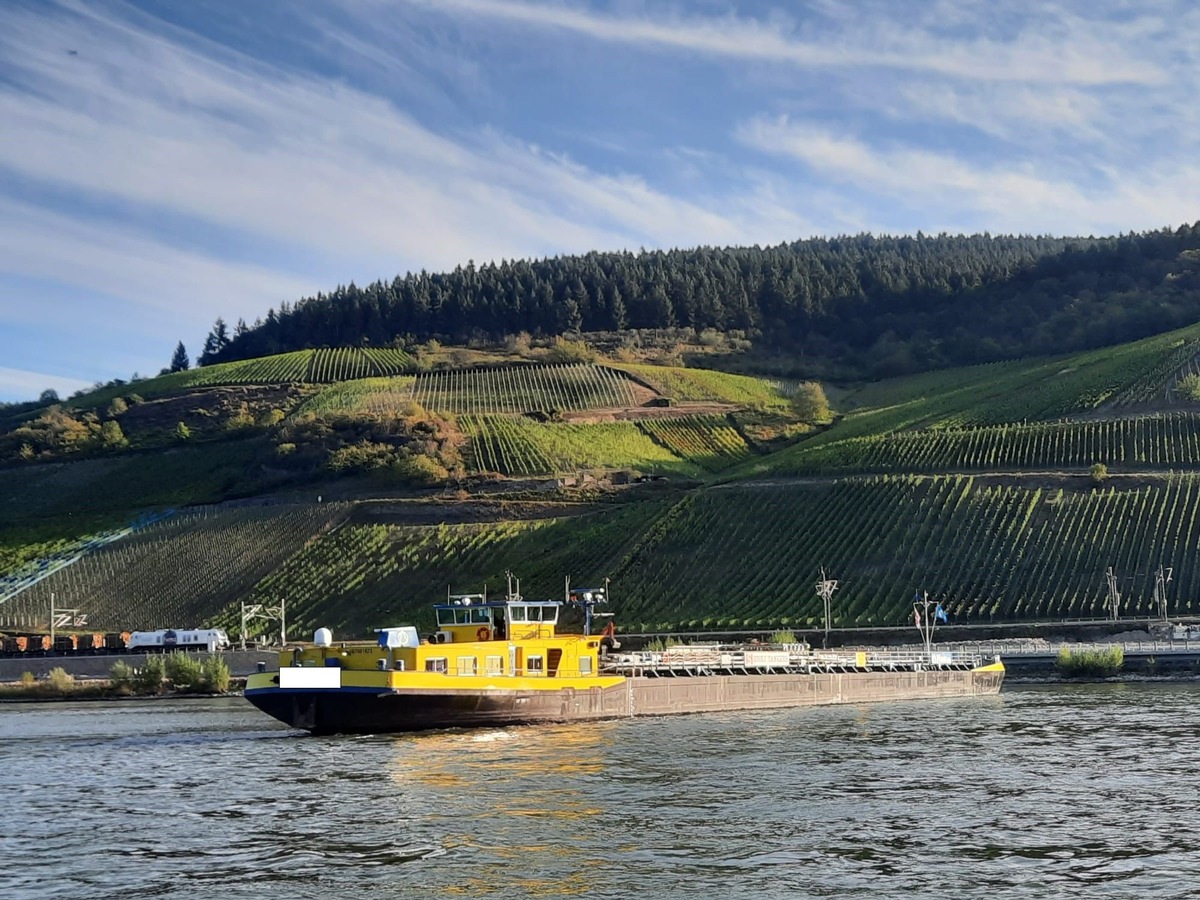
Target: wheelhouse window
{"x": 436, "y": 664}
{"x": 545, "y": 612}
{"x": 467, "y": 615}
{"x": 467, "y": 665}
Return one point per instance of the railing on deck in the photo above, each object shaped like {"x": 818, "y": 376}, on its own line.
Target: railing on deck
{"x": 715, "y": 659}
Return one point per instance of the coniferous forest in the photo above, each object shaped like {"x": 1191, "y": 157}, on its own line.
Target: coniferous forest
{"x": 847, "y": 306}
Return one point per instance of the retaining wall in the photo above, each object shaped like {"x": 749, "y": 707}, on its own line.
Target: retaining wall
{"x": 241, "y": 662}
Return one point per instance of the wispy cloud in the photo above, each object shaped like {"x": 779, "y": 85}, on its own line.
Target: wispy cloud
{"x": 29, "y": 385}
{"x": 150, "y": 160}
{"x": 165, "y": 173}
{"x": 956, "y": 194}
{"x": 1067, "y": 49}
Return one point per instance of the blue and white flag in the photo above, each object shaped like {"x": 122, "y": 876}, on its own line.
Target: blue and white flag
{"x": 940, "y": 614}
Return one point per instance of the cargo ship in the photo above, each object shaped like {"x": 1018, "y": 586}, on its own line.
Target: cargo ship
{"x": 497, "y": 662}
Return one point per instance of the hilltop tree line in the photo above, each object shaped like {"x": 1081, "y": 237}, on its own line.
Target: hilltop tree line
{"x": 853, "y": 305}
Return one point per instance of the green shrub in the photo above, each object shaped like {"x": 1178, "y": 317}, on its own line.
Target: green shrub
{"x": 1090, "y": 662}
{"x": 149, "y": 679}
{"x": 184, "y": 671}
{"x": 121, "y": 676}
{"x": 783, "y": 637}
{"x": 27, "y": 680}
{"x": 216, "y": 674}
{"x": 60, "y": 681}
{"x": 1189, "y": 386}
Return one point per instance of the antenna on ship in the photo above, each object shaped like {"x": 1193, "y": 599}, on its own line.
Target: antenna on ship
{"x": 925, "y": 621}
{"x": 825, "y": 590}
{"x": 588, "y": 598}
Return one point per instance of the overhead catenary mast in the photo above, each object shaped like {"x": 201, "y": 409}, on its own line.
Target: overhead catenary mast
{"x": 826, "y": 588}
{"x": 1114, "y": 595}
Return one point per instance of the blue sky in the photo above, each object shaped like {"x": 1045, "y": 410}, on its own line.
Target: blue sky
{"x": 215, "y": 157}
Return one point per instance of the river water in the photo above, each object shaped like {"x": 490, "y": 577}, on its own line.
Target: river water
{"x": 1078, "y": 791}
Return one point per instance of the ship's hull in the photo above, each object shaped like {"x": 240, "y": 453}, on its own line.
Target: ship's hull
{"x": 365, "y": 709}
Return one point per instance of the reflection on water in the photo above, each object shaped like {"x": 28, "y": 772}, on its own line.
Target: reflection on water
{"x": 493, "y": 782}
{"x": 1039, "y": 792}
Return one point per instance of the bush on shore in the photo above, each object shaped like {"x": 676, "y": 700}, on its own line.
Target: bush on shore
{"x": 179, "y": 672}
{"x": 1090, "y": 662}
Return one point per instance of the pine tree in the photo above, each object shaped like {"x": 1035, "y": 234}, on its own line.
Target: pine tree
{"x": 179, "y": 360}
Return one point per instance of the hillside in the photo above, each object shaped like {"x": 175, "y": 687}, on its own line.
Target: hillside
{"x": 974, "y": 484}
{"x": 847, "y": 307}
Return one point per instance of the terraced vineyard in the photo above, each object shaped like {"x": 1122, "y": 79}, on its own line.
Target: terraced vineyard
{"x": 707, "y": 385}
{"x": 1119, "y": 377}
{"x": 317, "y": 366}
{"x": 379, "y": 397}
{"x": 88, "y": 488}
{"x": 176, "y": 573}
{"x": 514, "y": 445}
{"x": 708, "y": 441}
{"x": 368, "y": 576}
{"x": 524, "y": 388}
{"x": 749, "y": 556}
{"x": 348, "y": 363}
{"x": 1171, "y": 441}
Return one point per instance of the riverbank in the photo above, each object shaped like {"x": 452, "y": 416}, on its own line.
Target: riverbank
{"x": 240, "y": 662}
{"x": 102, "y": 689}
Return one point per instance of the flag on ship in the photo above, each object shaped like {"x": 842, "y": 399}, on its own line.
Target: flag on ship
{"x": 940, "y": 614}
{"x": 917, "y": 617}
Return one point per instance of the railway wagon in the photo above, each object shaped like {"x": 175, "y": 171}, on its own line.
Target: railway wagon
{"x": 166, "y": 640}
{"x": 68, "y": 644}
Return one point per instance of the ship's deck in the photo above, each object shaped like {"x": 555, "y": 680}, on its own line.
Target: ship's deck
{"x": 698, "y": 660}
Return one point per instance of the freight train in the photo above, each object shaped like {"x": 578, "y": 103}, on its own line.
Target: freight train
{"x": 97, "y": 643}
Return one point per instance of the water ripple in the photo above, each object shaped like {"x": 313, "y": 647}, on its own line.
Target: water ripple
{"x": 1070, "y": 791}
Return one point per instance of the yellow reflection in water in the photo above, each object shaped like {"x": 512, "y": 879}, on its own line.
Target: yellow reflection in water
{"x": 498, "y": 779}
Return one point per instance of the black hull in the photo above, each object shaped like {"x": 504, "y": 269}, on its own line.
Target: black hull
{"x": 366, "y": 711}
{"x": 324, "y": 712}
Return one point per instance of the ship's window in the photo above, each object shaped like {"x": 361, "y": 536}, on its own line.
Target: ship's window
{"x": 585, "y": 665}
{"x": 445, "y": 617}
{"x": 535, "y": 613}
{"x": 534, "y": 664}
{"x": 437, "y": 664}
{"x": 494, "y": 665}
{"x": 550, "y": 614}
{"x": 480, "y": 616}
{"x": 517, "y": 614}
{"x": 467, "y": 665}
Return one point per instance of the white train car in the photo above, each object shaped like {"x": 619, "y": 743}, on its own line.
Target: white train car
{"x": 210, "y": 639}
